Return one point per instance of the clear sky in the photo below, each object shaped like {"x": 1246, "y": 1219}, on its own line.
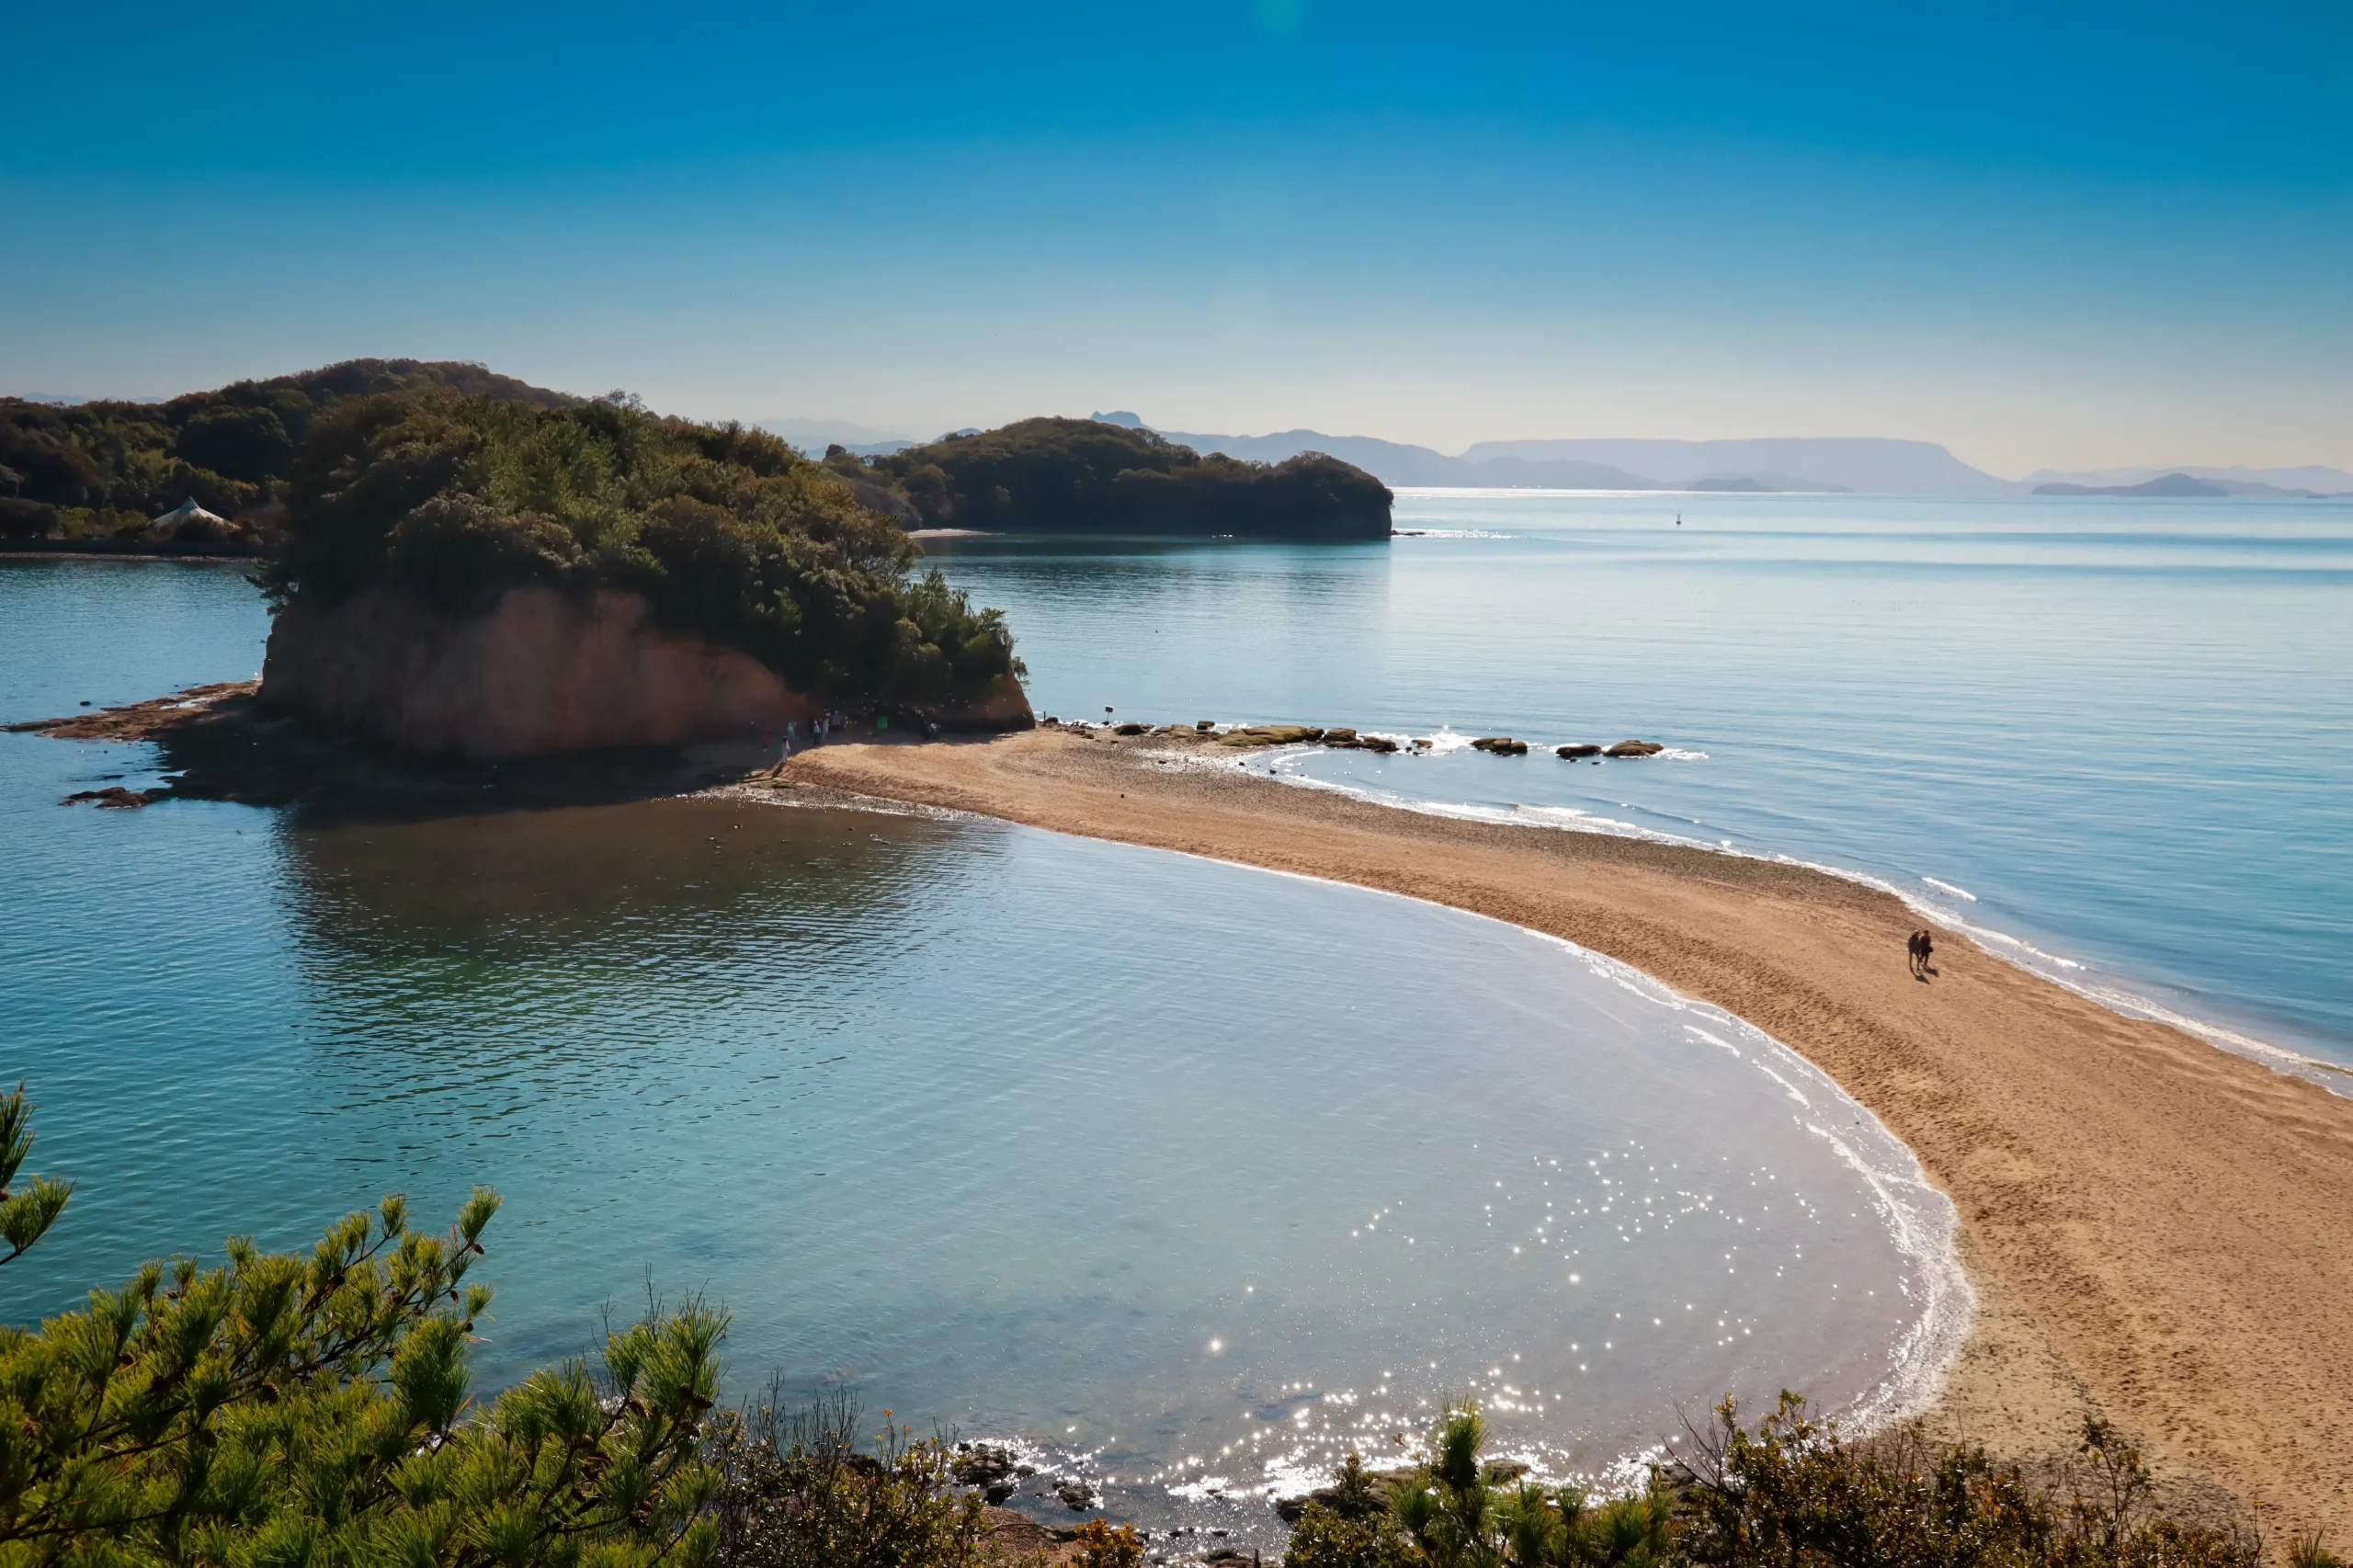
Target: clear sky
{"x": 2043, "y": 234}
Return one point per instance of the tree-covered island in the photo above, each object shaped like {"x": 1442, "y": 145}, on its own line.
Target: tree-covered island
{"x": 1083, "y": 476}
{"x": 449, "y": 487}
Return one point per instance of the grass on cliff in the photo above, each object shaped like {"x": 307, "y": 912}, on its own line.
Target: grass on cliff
{"x": 730, "y": 533}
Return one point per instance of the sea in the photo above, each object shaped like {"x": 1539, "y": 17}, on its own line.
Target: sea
{"x": 1185, "y": 1178}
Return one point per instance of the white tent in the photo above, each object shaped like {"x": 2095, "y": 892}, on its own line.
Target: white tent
{"x": 189, "y": 518}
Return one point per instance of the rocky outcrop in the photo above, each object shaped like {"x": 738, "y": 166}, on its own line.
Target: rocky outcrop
{"x": 1271, "y": 735}
{"x": 543, "y": 672}
{"x": 1500, "y": 746}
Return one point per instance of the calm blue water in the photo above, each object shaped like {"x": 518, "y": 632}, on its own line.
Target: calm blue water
{"x": 2123, "y": 729}
{"x": 1183, "y": 1175}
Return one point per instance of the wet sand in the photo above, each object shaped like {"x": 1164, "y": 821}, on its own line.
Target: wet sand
{"x": 2156, "y": 1230}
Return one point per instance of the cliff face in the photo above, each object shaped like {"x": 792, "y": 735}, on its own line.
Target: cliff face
{"x": 541, "y": 673}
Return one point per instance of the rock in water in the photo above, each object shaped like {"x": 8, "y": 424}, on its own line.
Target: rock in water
{"x": 1576, "y": 750}
{"x": 987, "y": 1467}
{"x": 1076, "y": 1495}
{"x": 1634, "y": 748}
{"x": 115, "y": 798}
{"x": 1271, "y": 735}
{"x": 1500, "y": 746}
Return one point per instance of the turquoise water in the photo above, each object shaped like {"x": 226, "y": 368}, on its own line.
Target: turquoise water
{"x": 2113, "y": 737}
{"x": 1182, "y": 1175}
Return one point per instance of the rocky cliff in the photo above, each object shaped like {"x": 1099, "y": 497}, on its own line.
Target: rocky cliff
{"x": 543, "y": 672}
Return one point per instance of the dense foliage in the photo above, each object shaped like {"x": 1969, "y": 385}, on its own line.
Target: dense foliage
{"x": 1794, "y": 1494}
{"x": 1083, "y": 476}
{"x": 730, "y": 533}
{"x": 106, "y": 469}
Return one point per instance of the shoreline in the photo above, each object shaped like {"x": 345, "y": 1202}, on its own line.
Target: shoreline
{"x": 2152, "y": 1226}
{"x": 2336, "y": 1077}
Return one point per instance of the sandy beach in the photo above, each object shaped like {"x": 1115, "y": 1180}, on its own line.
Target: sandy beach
{"x": 2156, "y": 1230}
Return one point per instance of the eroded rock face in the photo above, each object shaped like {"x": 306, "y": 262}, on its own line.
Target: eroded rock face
{"x": 544, "y": 672}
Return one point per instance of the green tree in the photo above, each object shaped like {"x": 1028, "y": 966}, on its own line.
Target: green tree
{"x": 281, "y": 1410}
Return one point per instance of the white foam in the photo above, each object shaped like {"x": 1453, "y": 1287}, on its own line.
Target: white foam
{"x": 2072, "y": 973}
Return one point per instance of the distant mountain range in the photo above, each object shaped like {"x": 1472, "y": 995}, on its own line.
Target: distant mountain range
{"x": 2311, "y": 480}
{"x": 1821, "y": 464}
{"x": 1832, "y": 464}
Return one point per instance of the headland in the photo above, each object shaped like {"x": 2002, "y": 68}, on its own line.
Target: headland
{"x": 2156, "y": 1229}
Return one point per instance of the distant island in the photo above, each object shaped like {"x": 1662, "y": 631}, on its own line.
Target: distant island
{"x": 1091, "y": 476}
{"x": 2174, "y": 485}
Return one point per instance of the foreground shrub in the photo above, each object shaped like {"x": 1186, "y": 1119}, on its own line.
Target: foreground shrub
{"x": 801, "y": 1490}
{"x": 1795, "y": 1493}
{"x": 282, "y": 1410}
{"x": 1456, "y": 1511}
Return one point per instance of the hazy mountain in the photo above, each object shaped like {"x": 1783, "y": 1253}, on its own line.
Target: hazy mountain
{"x": 2238, "y": 480}
{"x": 814, "y": 436}
{"x": 1391, "y": 463}
{"x": 2174, "y": 485}
{"x": 1870, "y": 464}
{"x": 1483, "y": 468}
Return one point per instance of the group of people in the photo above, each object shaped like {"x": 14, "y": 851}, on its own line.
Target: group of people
{"x": 824, "y": 724}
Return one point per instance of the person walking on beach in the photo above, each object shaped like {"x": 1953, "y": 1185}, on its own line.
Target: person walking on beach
{"x": 1919, "y": 947}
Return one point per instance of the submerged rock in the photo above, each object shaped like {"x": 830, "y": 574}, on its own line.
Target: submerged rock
{"x": 991, "y": 1469}
{"x": 115, "y": 798}
{"x": 1634, "y": 748}
{"x": 1076, "y": 1495}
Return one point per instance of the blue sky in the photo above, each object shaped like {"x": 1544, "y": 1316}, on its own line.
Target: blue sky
{"x": 2043, "y": 234}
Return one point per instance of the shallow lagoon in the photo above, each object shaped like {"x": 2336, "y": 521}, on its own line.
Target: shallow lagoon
{"x": 1182, "y": 1174}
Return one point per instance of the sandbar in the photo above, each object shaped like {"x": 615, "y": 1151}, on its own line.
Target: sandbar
{"x": 2157, "y": 1231}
